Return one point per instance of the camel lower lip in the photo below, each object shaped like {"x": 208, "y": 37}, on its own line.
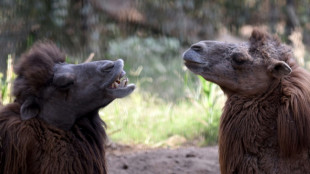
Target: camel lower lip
{"x": 192, "y": 62}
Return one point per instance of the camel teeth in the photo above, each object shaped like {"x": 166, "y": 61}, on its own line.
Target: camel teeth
{"x": 122, "y": 84}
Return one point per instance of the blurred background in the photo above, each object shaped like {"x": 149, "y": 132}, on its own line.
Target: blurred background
{"x": 171, "y": 106}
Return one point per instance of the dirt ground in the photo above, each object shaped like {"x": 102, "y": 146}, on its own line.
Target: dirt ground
{"x": 184, "y": 160}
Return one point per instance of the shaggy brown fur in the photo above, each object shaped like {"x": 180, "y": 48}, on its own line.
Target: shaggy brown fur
{"x": 35, "y": 70}
{"x": 34, "y": 147}
{"x": 268, "y": 133}
{"x": 263, "y": 128}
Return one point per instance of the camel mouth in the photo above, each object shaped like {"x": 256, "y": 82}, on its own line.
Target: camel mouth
{"x": 193, "y": 64}
{"x": 121, "y": 81}
{"x": 192, "y": 58}
{"x": 119, "y": 87}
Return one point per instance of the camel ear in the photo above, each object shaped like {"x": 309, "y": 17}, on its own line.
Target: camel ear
{"x": 29, "y": 109}
{"x": 279, "y": 69}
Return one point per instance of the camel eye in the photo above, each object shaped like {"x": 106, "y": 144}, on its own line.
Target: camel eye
{"x": 63, "y": 80}
{"x": 66, "y": 86}
{"x": 238, "y": 58}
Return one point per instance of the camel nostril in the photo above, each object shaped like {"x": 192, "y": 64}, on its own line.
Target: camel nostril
{"x": 197, "y": 47}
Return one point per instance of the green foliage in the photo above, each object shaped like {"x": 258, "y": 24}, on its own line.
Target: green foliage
{"x": 142, "y": 118}
{"x": 29, "y": 41}
{"x": 209, "y": 90}
{"x": 170, "y": 100}
{"x": 6, "y": 82}
{"x": 148, "y": 119}
{"x": 154, "y": 63}
{"x": 3, "y": 88}
{"x": 212, "y": 99}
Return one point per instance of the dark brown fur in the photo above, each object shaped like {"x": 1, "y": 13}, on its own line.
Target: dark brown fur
{"x": 35, "y": 69}
{"x": 264, "y": 128}
{"x": 272, "y": 128}
{"x": 268, "y": 133}
{"x": 32, "y": 146}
